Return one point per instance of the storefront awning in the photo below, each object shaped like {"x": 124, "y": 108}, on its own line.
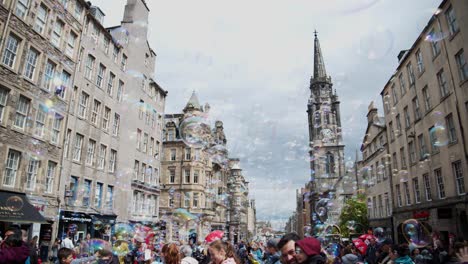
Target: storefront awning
{"x": 16, "y": 207}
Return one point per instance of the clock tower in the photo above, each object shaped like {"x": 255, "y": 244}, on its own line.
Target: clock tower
{"x": 325, "y": 138}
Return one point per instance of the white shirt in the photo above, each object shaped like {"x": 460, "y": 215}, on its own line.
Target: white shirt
{"x": 67, "y": 243}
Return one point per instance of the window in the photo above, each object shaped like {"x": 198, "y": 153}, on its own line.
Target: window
{"x": 98, "y": 195}
{"x": 419, "y": 60}
{"x": 11, "y": 168}
{"x": 123, "y": 64}
{"x": 142, "y": 172}
{"x": 195, "y": 200}
{"x": 100, "y": 76}
{"x": 151, "y": 147}
{"x": 434, "y": 44}
{"x": 148, "y": 117}
{"x": 187, "y": 199}
{"x": 22, "y": 8}
{"x": 145, "y": 142}
{"x": 49, "y": 184}
{"x": 173, "y": 154}
{"x": 380, "y": 205}
{"x": 427, "y": 187}
{"x": 56, "y": 127}
{"x": 120, "y": 90}
{"x": 141, "y": 109}
{"x": 77, "y": 147}
{"x": 395, "y": 161}
{"x": 66, "y": 143}
{"x": 11, "y": 49}
{"x": 422, "y": 146}
{"x": 22, "y": 111}
{"x": 105, "y": 118}
{"x": 64, "y": 3}
{"x": 417, "y": 110}
{"x": 434, "y": 141}
{"x": 136, "y": 169}
{"x": 459, "y": 180}
{"x": 402, "y": 84}
{"x": 57, "y": 33}
{"x": 41, "y": 116}
{"x": 402, "y": 158}
{"x": 74, "y": 187}
{"x": 89, "y": 67}
{"x": 170, "y": 135}
{"x": 410, "y": 71}
{"x": 172, "y": 176}
{"x": 388, "y": 208}
{"x": 374, "y": 206}
{"x": 149, "y": 175}
{"x": 417, "y": 195}
{"x": 70, "y": 49}
{"x": 66, "y": 82}
{"x": 112, "y": 160}
{"x": 196, "y": 174}
{"x": 442, "y": 84}
{"x": 427, "y": 99}
{"x": 412, "y": 152}
{"x": 110, "y": 197}
{"x": 78, "y": 10}
{"x": 407, "y": 193}
{"x": 91, "y": 152}
{"x": 3, "y": 101}
{"x": 110, "y": 84}
{"x": 115, "y": 54}
{"x": 31, "y": 173}
{"x": 49, "y": 75}
{"x": 106, "y": 45}
{"x": 87, "y": 192}
{"x": 392, "y": 132}
{"x": 440, "y": 183}
{"x": 462, "y": 66}
{"x": 452, "y": 133}
{"x": 398, "y": 123}
{"x": 451, "y": 20}
{"x": 187, "y": 176}
{"x": 95, "y": 112}
{"x": 407, "y": 117}
{"x": 188, "y": 152}
{"x": 138, "y": 145}
{"x": 102, "y": 157}
{"x": 116, "y": 125}
{"x": 30, "y": 65}
{"x": 83, "y": 104}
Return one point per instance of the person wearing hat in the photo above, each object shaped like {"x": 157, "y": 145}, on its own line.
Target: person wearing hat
{"x": 272, "y": 253}
{"x": 308, "y": 251}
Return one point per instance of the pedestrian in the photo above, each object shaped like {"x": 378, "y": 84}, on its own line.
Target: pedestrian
{"x": 106, "y": 257}
{"x": 348, "y": 257}
{"x": 186, "y": 254}
{"x": 65, "y": 256}
{"x": 371, "y": 252}
{"x": 222, "y": 252}
{"x": 33, "y": 249}
{"x": 171, "y": 254}
{"x": 384, "y": 255}
{"x": 13, "y": 249}
{"x": 287, "y": 247}
{"x": 67, "y": 243}
{"x": 85, "y": 246}
{"x": 272, "y": 255}
{"x": 309, "y": 251}
{"x": 55, "y": 247}
{"x": 403, "y": 255}
{"x": 256, "y": 253}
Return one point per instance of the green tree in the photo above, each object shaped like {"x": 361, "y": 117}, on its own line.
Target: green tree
{"x": 354, "y": 209}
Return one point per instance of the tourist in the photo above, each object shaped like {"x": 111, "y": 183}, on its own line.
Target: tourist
{"x": 222, "y": 253}
{"x": 287, "y": 247}
{"x": 371, "y": 252}
{"x": 171, "y": 254}
{"x": 67, "y": 243}
{"x": 309, "y": 251}
{"x": 65, "y": 256}
{"x": 13, "y": 250}
{"x": 186, "y": 253}
{"x": 348, "y": 257}
{"x": 403, "y": 255}
{"x": 272, "y": 255}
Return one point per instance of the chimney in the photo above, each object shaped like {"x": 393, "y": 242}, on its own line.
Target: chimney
{"x": 371, "y": 112}
{"x": 401, "y": 54}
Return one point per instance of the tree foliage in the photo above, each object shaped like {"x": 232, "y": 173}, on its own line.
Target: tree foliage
{"x": 354, "y": 209}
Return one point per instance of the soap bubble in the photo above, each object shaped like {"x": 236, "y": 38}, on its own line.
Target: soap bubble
{"x": 99, "y": 244}
{"x": 14, "y": 203}
{"x": 379, "y": 233}
{"x": 439, "y": 134}
{"x": 121, "y": 248}
{"x": 351, "y": 224}
{"x": 416, "y": 233}
{"x": 97, "y": 225}
{"x": 436, "y": 36}
{"x": 195, "y": 131}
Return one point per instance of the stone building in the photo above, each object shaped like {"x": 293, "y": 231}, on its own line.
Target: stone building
{"x": 327, "y": 149}
{"x": 426, "y": 113}
{"x": 238, "y": 189}
{"x": 106, "y": 117}
{"x": 251, "y": 219}
{"x": 375, "y": 172}
{"x": 39, "y": 50}
{"x": 195, "y": 172}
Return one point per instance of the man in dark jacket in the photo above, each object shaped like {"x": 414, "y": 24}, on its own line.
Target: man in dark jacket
{"x": 371, "y": 252}
{"x": 13, "y": 249}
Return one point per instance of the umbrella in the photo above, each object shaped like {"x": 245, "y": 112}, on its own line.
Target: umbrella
{"x": 215, "y": 235}
{"x": 367, "y": 237}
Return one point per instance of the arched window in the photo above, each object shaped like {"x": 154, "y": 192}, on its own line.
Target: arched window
{"x": 330, "y": 163}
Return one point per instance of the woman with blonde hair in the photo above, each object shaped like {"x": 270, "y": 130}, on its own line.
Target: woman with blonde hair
{"x": 170, "y": 254}
{"x": 222, "y": 253}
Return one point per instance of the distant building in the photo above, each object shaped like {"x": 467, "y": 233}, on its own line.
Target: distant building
{"x": 426, "y": 115}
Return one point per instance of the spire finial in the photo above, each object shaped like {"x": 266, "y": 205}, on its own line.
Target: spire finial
{"x": 319, "y": 65}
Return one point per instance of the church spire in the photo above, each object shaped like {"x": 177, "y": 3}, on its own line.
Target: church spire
{"x": 193, "y": 103}
{"x": 319, "y": 65}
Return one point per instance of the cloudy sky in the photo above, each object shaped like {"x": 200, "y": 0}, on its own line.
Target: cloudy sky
{"x": 252, "y": 62}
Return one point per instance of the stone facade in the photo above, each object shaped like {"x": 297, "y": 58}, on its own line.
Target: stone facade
{"x": 375, "y": 171}
{"x": 426, "y": 113}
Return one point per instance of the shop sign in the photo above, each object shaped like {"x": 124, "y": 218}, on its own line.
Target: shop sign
{"x": 76, "y": 217}
{"x": 421, "y": 215}
{"x": 39, "y": 203}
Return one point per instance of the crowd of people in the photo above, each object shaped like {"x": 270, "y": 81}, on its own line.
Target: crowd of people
{"x": 290, "y": 249}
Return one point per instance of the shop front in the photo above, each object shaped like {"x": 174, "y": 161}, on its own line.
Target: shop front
{"x": 74, "y": 224}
